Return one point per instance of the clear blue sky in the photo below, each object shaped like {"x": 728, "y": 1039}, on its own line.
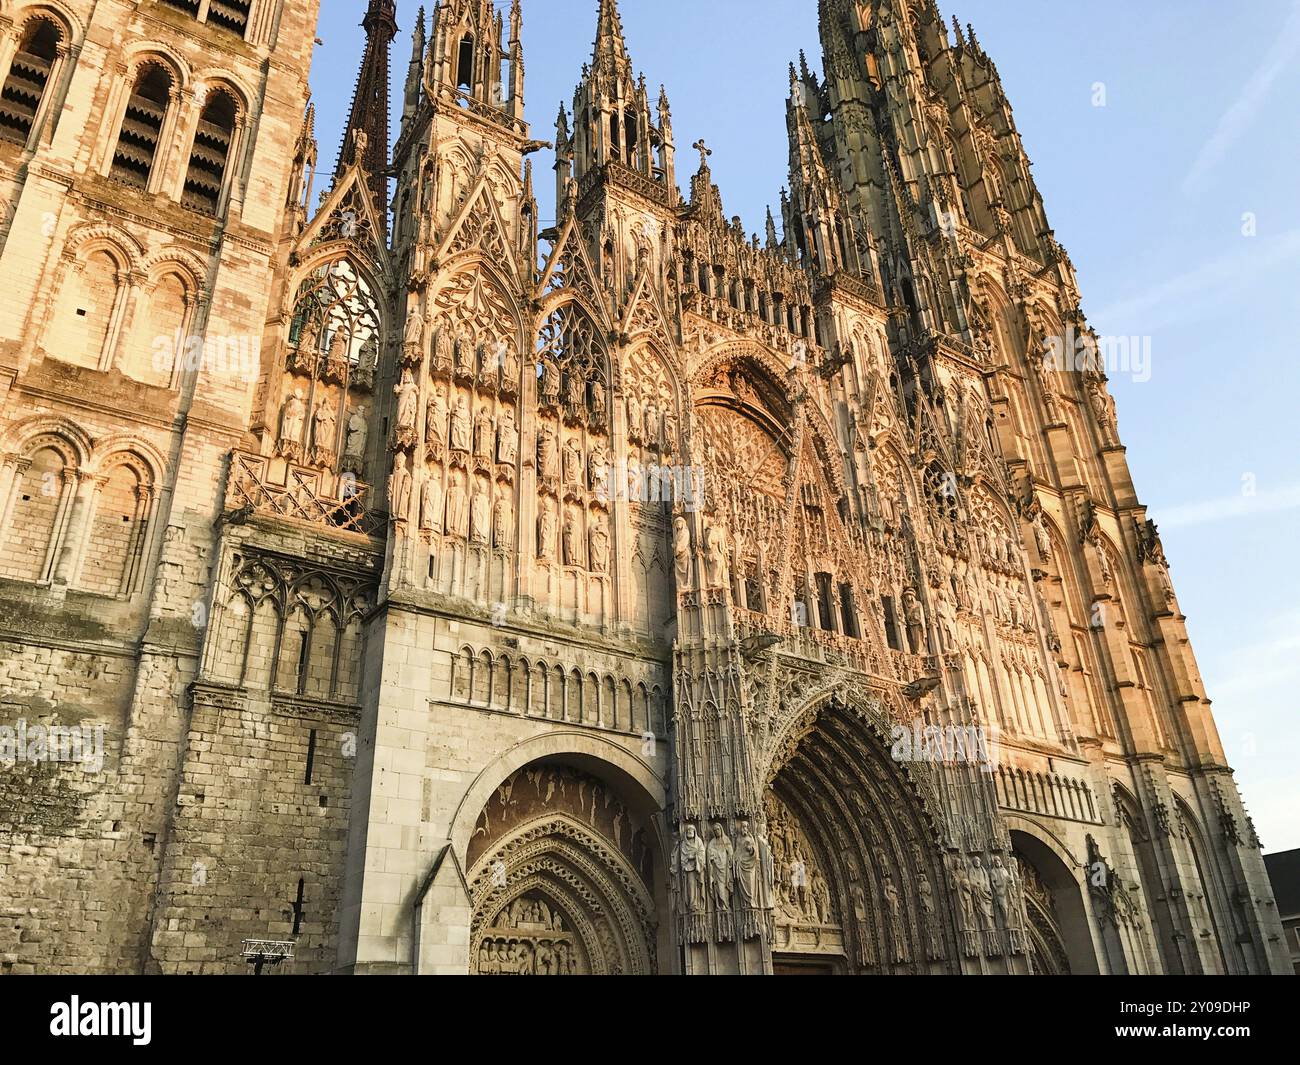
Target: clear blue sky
{"x": 1148, "y": 194}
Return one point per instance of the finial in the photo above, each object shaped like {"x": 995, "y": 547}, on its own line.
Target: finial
{"x": 956, "y": 29}
{"x": 704, "y": 151}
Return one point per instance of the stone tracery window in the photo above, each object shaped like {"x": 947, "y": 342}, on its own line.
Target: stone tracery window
{"x": 334, "y": 339}
{"x": 572, "y": 367}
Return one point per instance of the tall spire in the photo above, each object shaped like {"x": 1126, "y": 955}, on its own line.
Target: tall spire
{"x": 415, "y": 70}
{"x": 609, "y": 57}
{"x": 369, "y": 114}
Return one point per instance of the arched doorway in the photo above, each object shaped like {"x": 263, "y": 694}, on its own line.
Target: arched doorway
{"x": 561, "y": 872}
{"x": 1060, "y": 942}
{"x": 861, "y": 885}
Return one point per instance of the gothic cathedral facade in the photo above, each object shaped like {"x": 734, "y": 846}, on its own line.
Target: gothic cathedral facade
{"x": 458, "y": 591}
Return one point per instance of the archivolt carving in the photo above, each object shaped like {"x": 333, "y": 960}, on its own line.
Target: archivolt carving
{"x": 601, "y": 878}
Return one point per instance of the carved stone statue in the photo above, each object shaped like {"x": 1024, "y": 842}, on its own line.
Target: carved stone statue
{"x": 681, "y": 553}
{"x": 292, "y": 416}
{"x": 464, "y": 352}
{"x": 914, "y": 618}
{"x": 575, "y": 388}
{"x": 413, "y": 335}
{"x": 569, "y": 538}
{"x": 633, "y": 415}
{"x": 894, "y": 917}
{"x": 431, "y": 503}
{"x": 461, "y": 431}
{"x": 355, "y": 442}
{"x": 652, "y": 423}
{"x": 546, "y": 531}
{"x": 483, "y": 434}
{"x": 399, "y": 489}
{"x": 687, "y": 865}
{"x": 507, "y": 438}
{"x": 407, "y": 399}
{"x": 598, "y": 399}
{"x": 719, "y": 856}
{"x": 715, "y": 556}
{"x": 457, "y": 509}
{"x": 503, "y": 521}
{"x": 929, "y": 917}
{"x": 982, "y": 894}
{"x": 509, "y": 367}
{"x": 947, "y": 621}
{"x": 1038, "y": 525}
{"x": 598, "y": 547}
{"x": 322, "y": 426}
{"x": 573, "y": 462}
{"x": 548, "y": 459}
{"x": 755, "y": 874}
{"x": 480, "y": 518}
{"x": 444, "y": 348}
{"x": 550, "y": 382}
{"x": 598, "y": 471}
{"x": 435, "y": 418}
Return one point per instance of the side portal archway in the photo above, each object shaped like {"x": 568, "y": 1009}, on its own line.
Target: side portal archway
{"x": 562, "y": 868}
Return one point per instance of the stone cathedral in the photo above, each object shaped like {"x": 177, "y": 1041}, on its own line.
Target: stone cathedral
{"x": 447, "y": 589}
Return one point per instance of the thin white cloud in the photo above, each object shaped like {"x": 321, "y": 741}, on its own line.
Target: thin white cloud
{"x": 1237, "y": 118}
{"x": 1205, "y": 286}
{"x": 1228, "y": 507}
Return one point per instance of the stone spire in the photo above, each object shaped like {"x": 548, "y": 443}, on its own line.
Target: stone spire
{"x": 413, "y": 72}
{"x": 369, "y": 114}
{"x": 609, "y": 58}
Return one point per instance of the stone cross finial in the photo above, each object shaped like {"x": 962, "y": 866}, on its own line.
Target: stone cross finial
{"x": 704, "y": 153}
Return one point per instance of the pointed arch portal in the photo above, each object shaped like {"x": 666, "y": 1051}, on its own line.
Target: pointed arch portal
{"x": 860, "y": 881}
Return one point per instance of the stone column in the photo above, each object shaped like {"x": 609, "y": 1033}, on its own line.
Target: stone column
{"x": 68, "y": 559}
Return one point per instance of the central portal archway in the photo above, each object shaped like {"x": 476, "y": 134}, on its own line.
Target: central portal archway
{"x": 861, "y": 885}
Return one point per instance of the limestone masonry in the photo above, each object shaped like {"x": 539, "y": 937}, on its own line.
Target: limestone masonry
{"x": 430, "y": 588}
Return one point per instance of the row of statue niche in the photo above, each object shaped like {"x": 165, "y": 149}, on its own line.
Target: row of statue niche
{"x": 458, "y": 512}
{"x": 570, "y": 538}
{"x": 714, "y": 882}
{"x": 456, "y": 349}
{"x": 573, "y": 389}
{"x": 715, "y": 554}
{"x": 647, "y": 424}
{"x": 554, "y": 460}
{"x": 989, "y": 898}
{"x": 527, "y": 957}
{"x": 527, "y": 914}
{"x": 302, "y": 358}
{"x": 486, "y": 437}
{"x": 320, "y": 437}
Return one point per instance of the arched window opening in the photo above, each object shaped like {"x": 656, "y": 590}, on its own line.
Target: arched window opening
{"x": 615, "y": 149}
{"x": 114, "y": 532}
{"x": 29, "y": 76}
{"x": 848, "y": 611}
{"x": 26, "y": 554}
{"x": 137, "y": 141}
{"x": 630, "y": 137}
{"x": 825, "y": 603}
{"x": 159, "y": 339}
{"x": 229, "y": 14}
{"x": 465, "y": 63}
{"x": 86, "y": 317}
{"x": 207, "y": 170}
